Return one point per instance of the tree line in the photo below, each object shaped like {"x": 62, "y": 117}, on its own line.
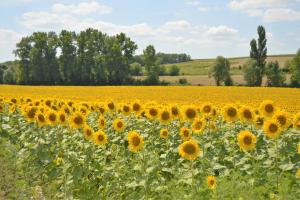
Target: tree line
{"x": 256, "y": 67}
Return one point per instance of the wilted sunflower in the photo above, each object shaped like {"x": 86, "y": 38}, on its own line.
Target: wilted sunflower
{"x": 164, "y": 133}
{"x": 246, "y": 114}
{"x": 88, "y": 132}
{"x": 230, "y": 113}
{"x": 101, "y": 122}
{"x": 165, "y": 116}
{"x": 211, "y": 182}
{"x": 190, "y": 113}
{"x": 100, "y": 138}
{"x": 152, "y": 112}
{"x": 185, "y": 133}
{"x": 267, "y": 108}
{"x": 272, "y": 128}
{"x": 246, "y": 140}
{"x": 77, "y": 120}
{"x": 198, "y": 125}
{"x": 283, "y": 119}
{"x": 119, "y": 125}
{"x": 40, "y": 118}
{"x": 189, "y": 150}
{"x": 135, "y": 141}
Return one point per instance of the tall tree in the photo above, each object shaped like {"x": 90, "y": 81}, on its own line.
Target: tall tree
{"x": 151, "y": 65}
{"x": 294, "y": 67}
{"x": 52, "y": 66}
{"x": 259, "y": 53}
{"x": 275, "y": 75}
{"x": 220, "y": 71}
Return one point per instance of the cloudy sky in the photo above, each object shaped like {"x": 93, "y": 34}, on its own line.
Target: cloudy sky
{"x": 201, "y": 28}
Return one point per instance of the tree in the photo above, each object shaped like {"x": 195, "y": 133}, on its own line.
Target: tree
{"x": 294, "y": 67}
{"x": 174, "y": 70}
{"x": 135, "y": 69}
{"x": 250, "y": 69}
{"x": 275, "y": 75}
{"x": 151, "y": 65}
{"x": 259, "y": 53}
{"x": 2, "y": 70}
{"x": 220, "y": 71}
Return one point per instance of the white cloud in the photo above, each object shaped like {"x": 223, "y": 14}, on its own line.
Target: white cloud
{"x": 83, "y": 8}
{"x": 176, "y": 25}
{"x": 269, "y": 10}
{"x": 8, "y": 40}
{"x": 221, "y": 32}
{"x": 281, "y": 14}
{"x": 193, "y": 2}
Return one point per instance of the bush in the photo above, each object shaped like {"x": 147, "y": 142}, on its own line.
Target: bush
{"x": 174, "y": 70}
{"x": 183, "y": 81}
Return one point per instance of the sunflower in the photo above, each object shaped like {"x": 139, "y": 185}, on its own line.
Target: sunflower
{"x": 165, "y": 116}
{"x": 283, "y": 119}
{"x": 230, "y": 113}
{"x": 152, "y": 113}
{"x": 1, "y": 107}
{"x": 272, "y": 128}
{"x": 40, "y": 118}
{"x": 119, "y": 125}
{"x": 212, "y": 125}
{"x": 175, "y": 111}
{"x": 135, "y": 141}
{"x": 67, "y": 109}
{"x": 246, "y": 114}
{"x": 298, "y": 173}
{"x": 198, "y": 125}
{"x": 164, "y": 133}
{"x": 101, "y": 122}
{"x": 246, "y": 140}
{"x": 48, "y": 102}
{"x": 189, "y": 150}
{"x": 88, "y": 132}
{"x": 30, "y": 113}
{"x": 214, "y": 113}
{"x": 211, "y": 182}
{"x": 190, "y": 113}
{"x": 185, "y": 133}
{"x": 126, "y": 109}
{"x": 259, "y": 121}
{"x": 296, "y": 125}
{"x": 206, "y": 108}
{"x": 110, "y": 105}
{"x": 62, "y": 117}
{"x": 100, "y": 138}
{"x": 137, "y": 107}
{"x": 298, "y": 148}
{"x": 77, "y": 120}
{"x": 267, "y": 108}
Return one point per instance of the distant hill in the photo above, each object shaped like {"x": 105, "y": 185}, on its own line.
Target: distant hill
{"x": 201, "y": 66}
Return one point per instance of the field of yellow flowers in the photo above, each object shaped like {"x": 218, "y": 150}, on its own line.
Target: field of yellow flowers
{"x": 155, "y": 142}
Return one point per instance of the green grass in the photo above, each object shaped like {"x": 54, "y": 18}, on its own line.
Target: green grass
{"x": 202, "y": 66}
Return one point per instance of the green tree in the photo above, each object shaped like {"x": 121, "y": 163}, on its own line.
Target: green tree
{"x": 275, "y": 75}
{"x": 259, "y": 53}
{"x": 2, "y": 70}
{"x": 151, "y": 65}
{"x": 250, "y": 69}
{"x": 220, "y": 71}
{"x": 174, "y": 70}
{"x": 294, "y": 67}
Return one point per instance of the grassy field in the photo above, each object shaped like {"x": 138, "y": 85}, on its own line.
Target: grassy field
{"x": 201, "y": 66}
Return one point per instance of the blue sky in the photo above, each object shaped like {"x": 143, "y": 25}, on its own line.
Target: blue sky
{"x": 201, "y": 28}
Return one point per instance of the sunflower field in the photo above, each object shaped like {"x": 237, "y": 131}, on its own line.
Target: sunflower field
{"x": 75, "y": 148}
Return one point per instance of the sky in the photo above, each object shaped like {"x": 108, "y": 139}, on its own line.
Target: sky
{"x": 200, "y": 28}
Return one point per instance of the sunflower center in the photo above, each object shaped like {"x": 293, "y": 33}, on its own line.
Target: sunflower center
{"x": 126, "y": 109}
{"x": 206, "y": 109}
{"x": 62, "y": 118}
{"x": 190, "y": 113}
{"x": 247, "y": 114}
{"x": 259, "y": 121}
{"x": 120, "y": 124}
{"x": 100, "y": 138}
{"x": 165, "y": 133}
{"x": 136, "y": 107}
{"x": 31, "y": 113}
{"x": 269, "y": 108}
{"x": 212, "y": 182}
{"x": 273, "y": 128}
{"x": 231, "y": 112}
{"x": 48, "y": 103}
{"x": 111, "y": 106}
{"x": 165, "y": 116}
{"x": 282, "y": 120}
{"x": 52, "y": 117}
{"x": 247, "y": 140}
{"x": 186, "y": 133}
{"x": 198, "y": 125}
{"x": 78, "y": 120}
{"x": 136, "y": 141}
{"x": 153, "y": 112}
{"x": 189, "y": 149}
{"x": 101, "y": 110}
{"x": 88, "y": 132}
{"x": 102, "y": 122}
{"x": 174, "y": 111}
{"x": 41, "y": 118}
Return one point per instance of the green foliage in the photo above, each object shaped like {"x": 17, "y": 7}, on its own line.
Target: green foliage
{"x": 294, "y": 67}
{"x": 174, "y": 70}
{"x": 152, "y": 67}
{"x": 250, "y": 71}
{"x": 275, "y": 75}
{"x": 220, "y": 71}
{"x": 136, "y": 69}
{"x": 259, "y": 53}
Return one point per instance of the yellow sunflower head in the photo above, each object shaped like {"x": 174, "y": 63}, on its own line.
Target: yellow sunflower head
{"x": 185, "y": 133}
{"x": 211, "y": 182}
{"x": 283, "y": 118}
{"x": 165, "y": 116}
{"x": 175, "y": 111}
{"x": 206, "y": 109}
{"x": 246, "y": 140}
{"x": 100, "y": 138}
{"x": 135, "y": 141}
{"x": 137, "y": 107}
{"x": 126, "y": 109}
{"x": 272, "y": 128}
{"x": 246, "y": 114}
{"x": 230, "y": 113}
{"x": 30, "y": 112}
{"x": 267, "y": 108}
{"x": 111, "y": 106}
{"x": 189, "y": 150}
{"x": 152, "y": 112}
{"x": 40, "y": 118}
{"x": 101, "y": 122}
{"x": 198, "y": 125}
{"x": 77, "y": 120}
{"x": 119, "y": 125}
{"x": 190, "y": 113}
{"x": 164, "y": 133}
{"x": 62, "y": 117}
{"x": 88, "y": 132}
{"x": 52, "y": 117}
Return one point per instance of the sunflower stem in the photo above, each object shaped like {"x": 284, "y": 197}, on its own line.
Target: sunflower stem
{"x": 276, "y": 164}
